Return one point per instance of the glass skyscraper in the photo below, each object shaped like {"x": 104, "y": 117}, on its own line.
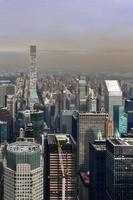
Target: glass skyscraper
{"x": 120, "y": 119}
{"x": 119, "y": 169}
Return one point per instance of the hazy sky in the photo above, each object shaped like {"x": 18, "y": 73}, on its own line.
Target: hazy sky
{"x": 85, "y": 35}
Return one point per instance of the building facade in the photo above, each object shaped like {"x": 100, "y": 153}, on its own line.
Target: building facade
{"x": 97, "y": 189}
{"x": 60, "y": 181}
{"x": 113, "y": 96}
{"x": 23, "y": 172}
{"x": 88, "y": 125}
{"x": 120, "y": 119}
{"x": 119, "y": 169}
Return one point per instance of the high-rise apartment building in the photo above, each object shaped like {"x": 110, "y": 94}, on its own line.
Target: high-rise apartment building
{"x": 33, "y": 98}
{"x": 60, "y": 167}
{"x": 113, "y": 96}
{"x": 23, "y": 171}
{"x": 87, "y": 126}
{"x": 119, "y": 169}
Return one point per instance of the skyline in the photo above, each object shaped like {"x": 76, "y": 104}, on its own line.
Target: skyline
{"x": 85, "y": 36}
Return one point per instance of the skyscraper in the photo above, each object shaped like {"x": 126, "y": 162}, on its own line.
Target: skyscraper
{"x": 82, "y": 94}
{"x": 36, "y": 117}
{"x": 120, "y": 119}
{"x": 66, "y": 121}
{"x": 33, "y": 98}
{"x": 6, "y": 88}
{"x": 87, "y": 126}
{"x": 113, "y": 96}
{"x": 129, "y": 111}
{"x": 60, "y": 167}
{"x": 98, "y": 170}
{"x": 109, "y": 128}
{"x": 23, "y": 171}
{"x": 119, "y": 169}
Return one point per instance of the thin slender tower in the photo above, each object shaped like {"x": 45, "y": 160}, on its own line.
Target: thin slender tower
{"x": 33, "y": 98}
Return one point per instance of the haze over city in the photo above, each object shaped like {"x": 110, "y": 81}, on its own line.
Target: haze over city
{"x": 86, "y": 36}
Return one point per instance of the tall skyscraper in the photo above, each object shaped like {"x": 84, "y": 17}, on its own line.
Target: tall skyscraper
{"x": 81, "y": 94}
{"x": 119, "y": 169}
{"x": 113, "y": 96}
{"x": 97, "y": 187}
{"x": 23, "y": 171}
{"x": 88, "y": 125}
{"x": 60, "y": 167}
{"x": 33, "y": 98}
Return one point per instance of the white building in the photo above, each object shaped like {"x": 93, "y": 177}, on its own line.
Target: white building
{"x": 23, "y": 172}
{"x": 33, "y": 98}
{"x": 113, "y": 95}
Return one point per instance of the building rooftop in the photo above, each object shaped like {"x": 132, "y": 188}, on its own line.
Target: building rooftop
{"x": 100, "y": 145}
{"x": 62, "y": 138}
{"x": 113, "y": 87}
{"x": 23, "y": 146}
{"x": 89, "y": 113}
{"x": 121, "y": 141}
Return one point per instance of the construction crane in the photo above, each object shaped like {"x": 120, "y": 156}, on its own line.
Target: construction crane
{"x": 64, "y": 172}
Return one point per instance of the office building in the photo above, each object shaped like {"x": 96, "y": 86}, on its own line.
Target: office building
{"x": 87, "y": 126}
{"x": 91, "y": 105}
{"x": 36, "y": 117}
{"x": 5, "y": 116}
{"x": 6, "y": 88}
{"x": 2, "y": 154}
{"x": 119, "y": 169}
{"x": 120, "y": 119}
{"x": 66, "y": 121}
{"x": 11, "y": 104}
{"x": 113, "y": 96}
{"x": 60, "y": 167}
{"x": 3, "y": 132}
{"x": 81, "y": 94}
{"x": 109, "y": 128}
{"x": 97, "y": 189}
{"x": 23, "y": 171}
{"x": 129, "y": 105}
{"x": 129, "y": 111}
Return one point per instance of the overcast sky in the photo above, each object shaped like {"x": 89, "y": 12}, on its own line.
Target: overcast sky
{"x": 85, "y": 35}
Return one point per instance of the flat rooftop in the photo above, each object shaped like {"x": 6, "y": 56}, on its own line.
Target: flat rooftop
{"x": 121, "y": 141}
{"x": 100, "y": 145}
{"x": 23, "y": 146}
{"x": 62, "y": 138}
{"x": 113, "y": 86}
{"x": 95, "y": 114}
